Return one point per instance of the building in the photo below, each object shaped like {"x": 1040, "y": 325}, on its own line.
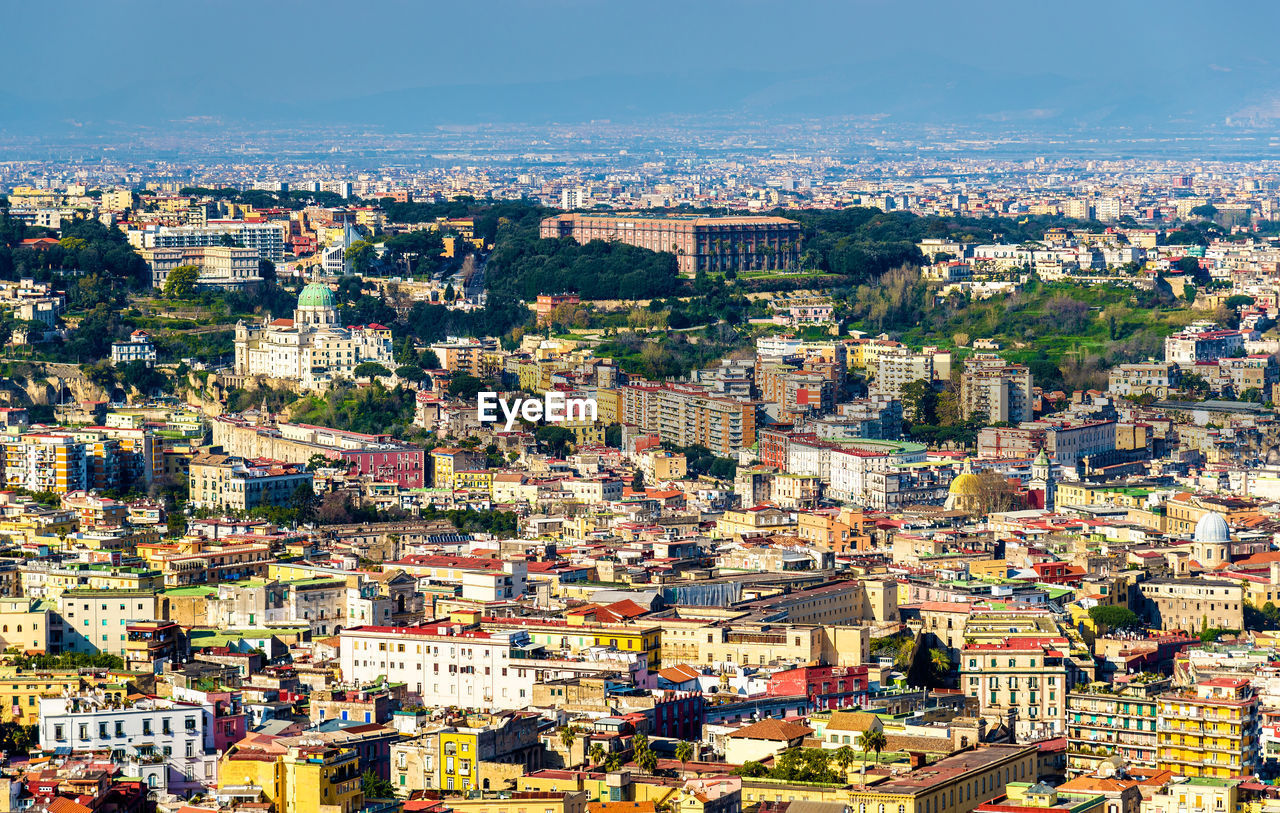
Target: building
{"x": 995, "y": 390}
{"x": 177, "y": 733}
{"x": 1106, "y": 720}
{"x": 1151, "y": 378}
{"x": 223, "y": 481}
{"x": 46, "y": 462}
{"x": 267, "y": 239}
{"x": 295, "y": 778}
{"x": 700, "y": 242}
{"x": 954, "y": 784}
{"x": 225, "y": 267}
{"x": 442, "y": 664}
{"x": 1212, "y": 730}
{"x": 379, "y": 456}
{"x": 1193, "y": 604}
{"x": 98, "y": 620}
{"x": 465, "y": 355}
{"x": 138, "y": 348}
{"x": 311, "y": 350}
{"x": 1202, "y": 343}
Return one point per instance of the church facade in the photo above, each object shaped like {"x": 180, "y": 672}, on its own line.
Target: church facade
{"x": 311, "y": 348}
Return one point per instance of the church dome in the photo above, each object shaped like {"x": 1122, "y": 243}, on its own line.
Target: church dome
{"x": 966, "y": 485}
{"x": 316, "y": 295}
{"x": 1212, "y": 529}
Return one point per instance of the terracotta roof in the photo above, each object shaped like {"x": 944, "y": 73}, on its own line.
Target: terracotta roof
{"x": 775, "y": 730}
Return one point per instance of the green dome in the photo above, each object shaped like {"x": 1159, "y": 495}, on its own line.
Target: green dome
{"x": 316, "y": 295}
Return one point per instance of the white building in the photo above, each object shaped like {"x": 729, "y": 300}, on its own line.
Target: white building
{"x": 268, "y": 239}
{"x": 443, "y": 664}
{"x": 311, "y": 348}
{"x": 152, "y": 728}
{"x": 137, "y": 348}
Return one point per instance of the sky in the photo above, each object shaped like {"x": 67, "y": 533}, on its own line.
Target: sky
{"x": 406, "y": 64}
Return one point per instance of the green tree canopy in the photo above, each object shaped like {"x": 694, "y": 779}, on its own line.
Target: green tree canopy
{"x": 181, "y": 282}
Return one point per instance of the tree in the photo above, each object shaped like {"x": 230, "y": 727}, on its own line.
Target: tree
{"x": 319, "y": 461}
{"x": 939, "y": 664}
{"x": 684, "y": 753}
{"x": 410, "y": 372}
{"x": 845, "y": 757}
{"x": 370, "y": 369}
{"x": 598, "y": 753}
{"x": 360, "y": 255}
{"x": 303, "y": 500}
{"x": 568, "y": 737}
{"x": 181, "y": 282}
{"x": 920, "y": 402}
{"x": 647, "y": 761}
{"x": 554, "y": 440}
{"x": 375, "y": 787}
{"x": 1113, "y": 617}
{"x": 751, "y": 769}
{"x": 872, "y": 740}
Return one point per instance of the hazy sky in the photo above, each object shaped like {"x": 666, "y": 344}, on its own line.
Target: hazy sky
{"x": 233, "y": 58}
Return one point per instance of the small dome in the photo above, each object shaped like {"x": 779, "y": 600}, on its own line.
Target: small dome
{"x": 316, "y": 295}
{"x": 1042, "y": 459}
{"x": 1212, "y": 528}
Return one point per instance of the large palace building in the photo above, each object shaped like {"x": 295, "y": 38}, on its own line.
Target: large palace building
{"x": 701, "y": 243}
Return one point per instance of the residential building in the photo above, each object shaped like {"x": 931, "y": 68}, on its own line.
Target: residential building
{"x": 1107, "y": 720}
{"x": 137, "y": 348}
{"x": 223, "y": 481}
{"x": 1211, "y": 730}
{"x": 995, "y": 390}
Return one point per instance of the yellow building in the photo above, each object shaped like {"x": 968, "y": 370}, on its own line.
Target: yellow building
{"x": 473, "y": 480}
{"x": 20, "y": 692}
{"x": 1210, "y": 731}
{"x": 24, "y": 624}
{"x": 301, "y": 779}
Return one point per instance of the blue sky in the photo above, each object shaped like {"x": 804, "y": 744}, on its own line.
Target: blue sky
{"x": 243, "y": 59}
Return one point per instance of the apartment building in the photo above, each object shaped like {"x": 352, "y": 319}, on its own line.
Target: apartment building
{"x": 465, "y": 355}
{"x": 442, "y": 664}
{"x": 223, "y": 481}
{"x": 178, "y": 733}
{"x": 995, "y": 390}
{"x": 1149, "y": 378}
{"x": 899, "y": 367}
{"x": 1106, "y": 720}
{"x": 266, "y": 239}
{"x": 138, "y": 347}
{"x": 97, "y": 621}
{"x": 225, "y": 267}
{"x": 1022, "y": 681}
{"x": 1212, "y": 730}
{"x": 305, "y": 777}
{"x": 1193, "y": 604}
{"x": 700, "y": 242}
{"x": 1201, "y": 343}
{"x": 687, "y": 416}
{"x": 45, "y": 462}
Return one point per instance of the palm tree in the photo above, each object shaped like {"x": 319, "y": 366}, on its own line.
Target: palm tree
{"x": 567, "y": 738}
{"x": 844, "y": 757}
{"x": 598, "y": 754}
{"x": 647, "y": 760}
{"x": 684, "y": 753}
{"x": 872, "y": 740}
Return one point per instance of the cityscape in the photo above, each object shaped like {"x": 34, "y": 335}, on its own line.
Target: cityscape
{"x": 839, "y": 407}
